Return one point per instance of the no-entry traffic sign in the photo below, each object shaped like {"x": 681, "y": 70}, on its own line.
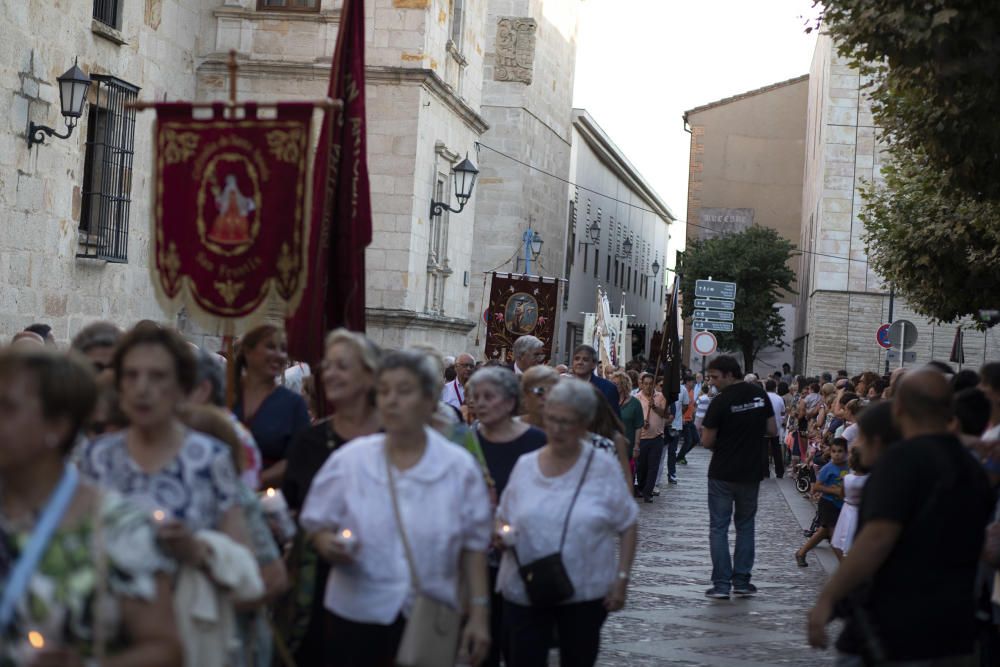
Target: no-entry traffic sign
{"x": 704, "y": 343}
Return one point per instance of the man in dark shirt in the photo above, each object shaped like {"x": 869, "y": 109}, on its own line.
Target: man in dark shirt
{"x": 584, "y": 363}
{"x": 734, "y": 427}
{"x": 920, "y": 534}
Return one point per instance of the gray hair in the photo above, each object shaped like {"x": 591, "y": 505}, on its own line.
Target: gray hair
{"x": 421, "y": 364}
{"x": 366, "y": 349}
{"x": 96, "y": 334}
{"x": 577, "y": 395}
{"x": 526, "y": 344}
{"x": 502, "y": 378}
{"x": 209, "y": 368}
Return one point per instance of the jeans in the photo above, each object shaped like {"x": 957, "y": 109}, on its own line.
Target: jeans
{"x": 690, "y": 435}
{"x": 529, "y": 633}
{"x": 672, "y": 438}
{"x": 723, "y": 498}
{"x": 650, "y": 456}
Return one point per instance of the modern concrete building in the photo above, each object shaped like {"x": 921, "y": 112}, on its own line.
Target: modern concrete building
{"x": 842, "y": 302}
{"x": 746, "y": 167}
{"x": 610, "y": 203}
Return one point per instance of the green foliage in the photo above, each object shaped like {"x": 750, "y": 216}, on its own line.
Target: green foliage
{"x": 935, "y": 72}
{"x": 940, "y": 249}
{"x": 757, "y": 261}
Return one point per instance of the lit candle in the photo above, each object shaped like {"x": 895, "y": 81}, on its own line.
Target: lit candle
{"x": 36, "y": 640}
{"x": 272, "y": 502}
{"x": 508, "y": 535}
{"x": 159, "y": 516}
{"x": 347, "y": 539}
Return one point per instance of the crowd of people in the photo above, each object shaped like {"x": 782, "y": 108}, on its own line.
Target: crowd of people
{"x": 163, "y": 505}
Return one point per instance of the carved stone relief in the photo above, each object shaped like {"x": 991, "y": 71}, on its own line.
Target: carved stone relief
{"x": 515, "y": 51}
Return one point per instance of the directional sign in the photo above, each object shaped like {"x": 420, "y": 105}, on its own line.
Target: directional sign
{"x": 704, "y": 343}
{"x": 717, "y": 304}
{"x": 882, "y": 336}
{"x": 723, "y": 315}
{"x": 711, "y": 325}
{"x": 714, "y": 289}
{"x": 909, "y": 357}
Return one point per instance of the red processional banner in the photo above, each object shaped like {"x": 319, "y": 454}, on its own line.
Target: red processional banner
{"x": 520, "y": 306}
{"x": 230, "y": 211}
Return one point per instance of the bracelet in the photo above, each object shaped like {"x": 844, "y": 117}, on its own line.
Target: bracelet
{"x": 480, "y": 601}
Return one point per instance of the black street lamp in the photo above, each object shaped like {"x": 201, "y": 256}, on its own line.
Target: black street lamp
{"x": 655, "y": 267}
{"x": 594, "y": 231}
{"x": 626, "y": 251}
{"x": 73, "y": 85}
{"x": 464, "y": 175}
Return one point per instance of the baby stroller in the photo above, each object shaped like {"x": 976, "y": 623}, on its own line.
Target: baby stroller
{"x": 804, "y": 477}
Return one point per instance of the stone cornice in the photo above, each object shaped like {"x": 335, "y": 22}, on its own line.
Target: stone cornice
{"x": 332, "y": 16}
{"x": 435, "y": 85}
{"x": 407, "y": 319}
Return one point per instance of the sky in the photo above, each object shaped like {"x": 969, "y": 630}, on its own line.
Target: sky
{"x": 641, "y": 64}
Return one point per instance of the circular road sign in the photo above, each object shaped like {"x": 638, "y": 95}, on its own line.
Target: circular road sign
{"x": 882, "y": 336}
{"x": 704, "y": 343}
{"x": 903, "y": 333}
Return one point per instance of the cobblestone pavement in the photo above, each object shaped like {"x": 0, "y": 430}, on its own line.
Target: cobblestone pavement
{"x": 668, "y": 621}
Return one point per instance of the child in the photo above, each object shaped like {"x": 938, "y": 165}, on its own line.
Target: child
{"x": 830, "y": 484}
{"x": 847, "y": 524}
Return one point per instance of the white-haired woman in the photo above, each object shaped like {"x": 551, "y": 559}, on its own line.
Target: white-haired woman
{"x": 407, "y": 491}
{"x": 566, "y": 498}
{"x": 503, "y": 440}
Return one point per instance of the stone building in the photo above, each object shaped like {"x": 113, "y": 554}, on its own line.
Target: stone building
{"x": 746, "y": 166}
{"x": 842, "y": 302}
{"x": 610, "y": 203}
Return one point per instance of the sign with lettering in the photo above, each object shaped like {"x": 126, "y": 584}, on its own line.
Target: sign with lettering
{"x": 723, "y": 315}
{"x": 715, "y": 304}
{"x": 711, "y": 325}
{"x": 714, "y": 289}
{"x": 715, "y": 222}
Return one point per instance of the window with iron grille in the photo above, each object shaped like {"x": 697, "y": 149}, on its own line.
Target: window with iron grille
{"x": 109, "y": 12}
{"x": 289, "y": 5}
{"x": 107, "y": 170}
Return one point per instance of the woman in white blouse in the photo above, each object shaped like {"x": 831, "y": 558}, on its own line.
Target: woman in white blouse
{"x": 445, "y": 512}
{"x": 535, "y": 505}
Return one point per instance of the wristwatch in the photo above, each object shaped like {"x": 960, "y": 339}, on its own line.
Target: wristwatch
{"x": 622, "y": 575}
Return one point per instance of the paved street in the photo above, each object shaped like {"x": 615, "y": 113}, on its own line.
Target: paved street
{"x": 668, "y": 621}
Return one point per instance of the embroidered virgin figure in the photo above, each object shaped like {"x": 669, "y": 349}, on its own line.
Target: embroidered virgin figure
{"x": 231, "y": 226}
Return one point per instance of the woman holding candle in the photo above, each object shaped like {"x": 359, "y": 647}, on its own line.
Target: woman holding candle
{"x": 566, "y": 498}
{"x": 274, "y": 414}
{"x": 444, "y": 518}
{"x": 348, "y": 377}
{"x": 95, "y": 592}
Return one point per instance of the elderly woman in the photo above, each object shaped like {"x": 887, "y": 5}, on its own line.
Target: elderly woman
{"x": 45, "y": 399}
{"x": 631, "y": 410}
{"x": 273, "y": 413}
{"x": 536, "y": 382}
{"x": 185, "y": 478}
{"x": 384, "y": 497}
{"x": 568, "y": 499}
{"x": 348, "y": 376}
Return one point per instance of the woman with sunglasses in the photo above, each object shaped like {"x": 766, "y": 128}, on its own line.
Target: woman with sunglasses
{"x": 503, "y": 440}
{"x": 536, "y": 382}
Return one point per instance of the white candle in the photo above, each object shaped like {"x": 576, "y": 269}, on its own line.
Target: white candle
{"x": 272, "y": 502}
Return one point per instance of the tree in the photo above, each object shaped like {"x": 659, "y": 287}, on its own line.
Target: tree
{"x": 939, "y": 248}
{"x": 756, "y": 259}
{"x": 934, "y": 68}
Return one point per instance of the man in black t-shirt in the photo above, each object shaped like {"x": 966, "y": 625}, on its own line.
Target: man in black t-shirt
{"x": 734, "y": 428}
{"x": 920, "y": 534}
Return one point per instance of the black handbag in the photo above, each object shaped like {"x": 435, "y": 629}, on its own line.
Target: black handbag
{"x": 545, "y": 579}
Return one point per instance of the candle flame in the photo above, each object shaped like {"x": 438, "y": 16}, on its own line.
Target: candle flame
{"x": 505, "y": 528}
{"x": 159, "y": 515}
{"x": 36, "y": 640}
{"x": 270, "y": 493}
{"x": 347, "y": 533}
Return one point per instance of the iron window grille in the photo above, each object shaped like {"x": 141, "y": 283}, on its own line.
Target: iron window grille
{"x": 288, "y": 5}
{"x": 108, "y": 12}
{"x": 107, "y": 170}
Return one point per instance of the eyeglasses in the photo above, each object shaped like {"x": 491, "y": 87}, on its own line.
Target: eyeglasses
{"x": 539, "y": 391}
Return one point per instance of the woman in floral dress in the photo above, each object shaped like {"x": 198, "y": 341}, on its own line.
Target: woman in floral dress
{"x": 96, "y": 595}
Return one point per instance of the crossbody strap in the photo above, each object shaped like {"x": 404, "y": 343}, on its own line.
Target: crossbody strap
{"x": 28, "y": 561}
{"x": 576, "y": 494}
{"x": 414, "y": 579}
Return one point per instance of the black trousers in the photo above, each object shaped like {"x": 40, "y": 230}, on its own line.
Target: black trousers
{"x": 352, "y": 644}
{"x": 529, "y": 630}
{"x": 650, "y": 457}
{"x": 775, "y": 452}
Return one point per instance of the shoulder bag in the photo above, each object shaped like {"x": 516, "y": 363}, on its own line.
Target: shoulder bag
{"x": 431, "y": 636}
{"x": 546, "y": 580}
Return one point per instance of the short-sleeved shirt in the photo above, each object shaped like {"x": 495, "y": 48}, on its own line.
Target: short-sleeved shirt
{"x": 940, "y": 495}
{"x": 306, "y": 455}
{"x": 278, "y": 419}
{"x": 197, "y": 488}
{"x": 657, "y": 424}
{"x": 739, "y": 414}
{"x": 833, "y": 475}
{"x": 501, "y": 456}
{"x": 632, "y": 420}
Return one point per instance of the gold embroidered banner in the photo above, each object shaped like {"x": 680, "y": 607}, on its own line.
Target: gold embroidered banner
{"x": 520, "y": 305}
{"x": 230, "y": 210}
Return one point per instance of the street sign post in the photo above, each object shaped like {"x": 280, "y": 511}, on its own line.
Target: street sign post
{"x": 714, "y": 289}
{"x": 903, "y": 333}
{"x": 704, "y": 343}
{"x": 711, "y": 325}
{"x": 908, "y": 356}
{"x": 723, "y": 315}
{"x": 717, "y": 304}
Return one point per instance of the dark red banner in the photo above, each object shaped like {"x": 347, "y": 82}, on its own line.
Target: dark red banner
{"x": 520, "y": 305}
{"x": 230, "y": 208}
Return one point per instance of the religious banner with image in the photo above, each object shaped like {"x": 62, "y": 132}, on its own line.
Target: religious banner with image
{"x": 520, "y": 305}
{"x": 230, "y": 208}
